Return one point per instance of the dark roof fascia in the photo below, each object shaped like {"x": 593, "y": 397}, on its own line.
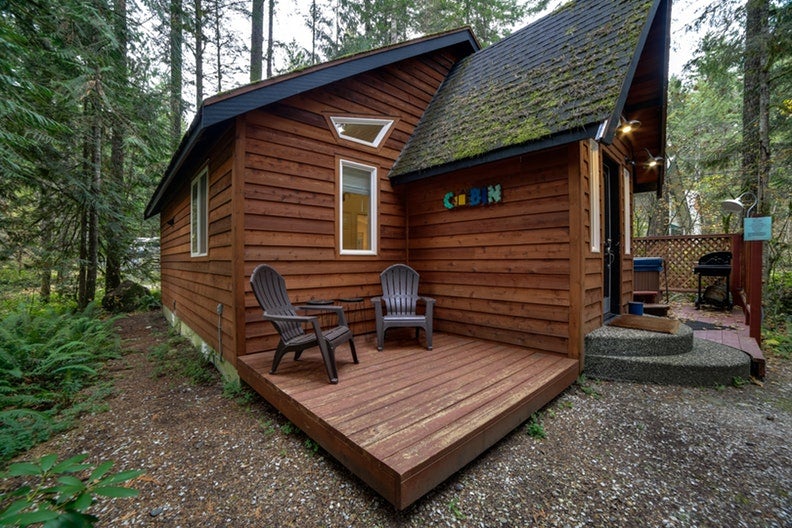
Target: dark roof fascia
{"x": 335, "y": 71}
{"x": 230, "y": 106}
{"x": 585, "y": 132}
{"x": 182, "y": 153}
{"x": 614, "y": 121}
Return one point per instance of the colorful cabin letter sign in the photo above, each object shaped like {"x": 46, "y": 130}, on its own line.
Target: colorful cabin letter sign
{"x": 473, "y": 197}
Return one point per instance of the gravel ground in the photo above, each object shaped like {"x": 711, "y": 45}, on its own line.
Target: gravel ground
{"x": 615, "y": 454}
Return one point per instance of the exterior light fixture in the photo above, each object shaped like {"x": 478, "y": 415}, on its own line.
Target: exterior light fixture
{"x": 653, "y": 161}
{"x": 736, "y": 205}
{"x": 628, "y": 126}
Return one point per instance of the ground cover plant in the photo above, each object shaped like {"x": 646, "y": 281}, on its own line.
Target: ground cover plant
{"x": 49, "y": 357}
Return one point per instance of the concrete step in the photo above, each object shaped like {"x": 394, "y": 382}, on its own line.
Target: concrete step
{"x": 617, "y": 341}
{"x": 624, "y": 354}
{"x": 707, "y": 364}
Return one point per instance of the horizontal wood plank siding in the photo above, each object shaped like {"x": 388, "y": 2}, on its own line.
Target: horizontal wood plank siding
{"x": 291, "y": 159}
{"x": 500, "y": 271}
{"x": 192, "y": 287}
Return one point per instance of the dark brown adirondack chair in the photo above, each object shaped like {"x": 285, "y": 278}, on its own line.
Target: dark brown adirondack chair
{"x": 400, "y": 299}
{"x": 270, "y": 290}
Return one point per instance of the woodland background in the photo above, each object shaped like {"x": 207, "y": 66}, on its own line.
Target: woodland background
{"x": 96, "y": 95}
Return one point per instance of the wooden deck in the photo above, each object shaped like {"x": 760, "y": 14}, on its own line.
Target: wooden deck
{"x": 405, "y": 419}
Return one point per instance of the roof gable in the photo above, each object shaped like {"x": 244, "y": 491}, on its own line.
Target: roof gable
{"x": 217, "y": 112}
{"x": 554, "y": 81}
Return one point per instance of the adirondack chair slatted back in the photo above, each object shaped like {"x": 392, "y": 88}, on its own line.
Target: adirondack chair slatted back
{"x": 270, "y": 290}
{"x": 400, "y": 289}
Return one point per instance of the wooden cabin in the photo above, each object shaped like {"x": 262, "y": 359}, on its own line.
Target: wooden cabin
{"x": 503, "y": 175}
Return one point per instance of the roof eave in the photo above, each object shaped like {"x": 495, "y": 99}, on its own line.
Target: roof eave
{"x": 228, "y": 106}
{"x": 585, "y": 132}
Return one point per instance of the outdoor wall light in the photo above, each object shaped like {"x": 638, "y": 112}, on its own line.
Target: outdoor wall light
{"x": 628, "y": 126}
{"x": 653, "y": 161}
{"x": 736, "y": 205}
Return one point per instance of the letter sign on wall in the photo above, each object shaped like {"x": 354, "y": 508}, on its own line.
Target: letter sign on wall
{"x": 473, "y": 197}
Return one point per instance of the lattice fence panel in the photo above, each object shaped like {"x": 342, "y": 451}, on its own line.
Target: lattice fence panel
{"x": 681, "y": 254}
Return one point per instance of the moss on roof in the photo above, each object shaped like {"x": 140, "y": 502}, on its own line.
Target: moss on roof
{"x": 560, "y": 73}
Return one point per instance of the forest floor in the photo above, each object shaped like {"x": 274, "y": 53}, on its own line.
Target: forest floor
{"x": 615, "y": 454}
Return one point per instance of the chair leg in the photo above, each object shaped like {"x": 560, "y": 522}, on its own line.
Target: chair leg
{"x": 354, "y": 352}
{"x": 279, "y": 353}
{"x": 380, "y": 337}
{"x": 328, "y": 355}
{"x": 428, "y": 332}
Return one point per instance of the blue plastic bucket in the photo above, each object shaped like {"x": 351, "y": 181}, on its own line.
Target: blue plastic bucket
{"x": 635, "y": 308}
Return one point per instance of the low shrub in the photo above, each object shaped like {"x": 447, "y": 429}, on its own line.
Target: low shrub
{"x": 48, "y": 357}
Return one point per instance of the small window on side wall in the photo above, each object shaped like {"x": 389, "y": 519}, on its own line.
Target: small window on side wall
{"x": 199, "y": 215}
{"x": 358, "y": 209}
{"x": 364, "y": 130}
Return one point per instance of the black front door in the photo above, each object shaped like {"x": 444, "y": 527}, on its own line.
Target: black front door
{"x": 612, "y": 233}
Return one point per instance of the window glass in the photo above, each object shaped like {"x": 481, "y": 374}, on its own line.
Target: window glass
{"x": 362, "y": 130}
{"x": 358, "y": 208}
{"x": 199, "y": 215}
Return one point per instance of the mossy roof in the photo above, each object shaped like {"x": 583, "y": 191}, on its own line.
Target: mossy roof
{"x": 559, "y": 77}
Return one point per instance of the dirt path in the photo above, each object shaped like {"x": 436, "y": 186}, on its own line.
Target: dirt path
{"x": 616, "y": 454}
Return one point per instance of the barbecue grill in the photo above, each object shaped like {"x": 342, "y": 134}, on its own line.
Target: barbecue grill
{"x": 717, "y": 264}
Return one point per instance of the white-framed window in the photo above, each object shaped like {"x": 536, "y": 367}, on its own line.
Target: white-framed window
{"x": 627, "y": 211}
{"x": 357, "y": 208}
{"x": 199, "y": 214}
{"x": 364, "y": 130}
{"x": 595, "y": 223}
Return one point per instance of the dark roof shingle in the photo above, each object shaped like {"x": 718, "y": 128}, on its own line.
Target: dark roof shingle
{"x": 567, "y": 71}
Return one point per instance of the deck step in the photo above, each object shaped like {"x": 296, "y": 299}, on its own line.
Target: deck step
{"x": 637, "y": 355}
{"x": 658, "y": 309}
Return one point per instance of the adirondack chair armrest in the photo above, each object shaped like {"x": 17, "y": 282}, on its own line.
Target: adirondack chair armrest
{"x": 338, "y": 310}
{"x": 429, "y": 302}
{"x": 289, "y": 318}
{"x": 378, "y": 303}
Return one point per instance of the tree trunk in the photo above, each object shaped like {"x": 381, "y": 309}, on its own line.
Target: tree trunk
{"x": 756, "y": 102}
{"x": 114, "y": 225}
{"x": 199, "y": 49}
{"x": 256, "y": 40}
{"x": 175, "y": 42}
{"x": 270, "y": 37}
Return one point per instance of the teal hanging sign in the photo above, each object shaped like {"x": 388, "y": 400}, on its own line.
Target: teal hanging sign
{"x": 758, "y": 228}
{"x": 473, "y": 197}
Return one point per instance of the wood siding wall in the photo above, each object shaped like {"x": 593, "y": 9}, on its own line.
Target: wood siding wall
{"x": 499, "y": 271}
{"x": 192, "y": 287}
{"x": 291, "y": 159}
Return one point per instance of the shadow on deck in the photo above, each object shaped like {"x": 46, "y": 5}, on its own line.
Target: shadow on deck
{"x": 406, "y": 419}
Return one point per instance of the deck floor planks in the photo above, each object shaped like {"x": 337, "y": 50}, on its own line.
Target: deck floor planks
{"x": 407, "y": 418}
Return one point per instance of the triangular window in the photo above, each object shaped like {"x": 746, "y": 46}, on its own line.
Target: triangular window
{"x": 363, "y": 130}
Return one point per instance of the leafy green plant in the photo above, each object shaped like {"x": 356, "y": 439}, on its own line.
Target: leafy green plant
{"x": 242, "y": 394}
{"x": 738, "y": 381}
{"x": 453, "y": 505}
{"x": 178, "y": 356}
{"x": 587, "y": 389}
{"x": 49, "y": 356}
{"x": 534, "y": 427}
{"x": 52, "y": 495}
{"x": 312, "y": 446}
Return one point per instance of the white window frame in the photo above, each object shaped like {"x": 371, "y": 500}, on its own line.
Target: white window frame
{"x": 373, "y": 224}
{"x": 199, "y": 214}
{"x": 386, "y": 125}
{"x": 627, "y": 211}
{"x": 595, "y": 222}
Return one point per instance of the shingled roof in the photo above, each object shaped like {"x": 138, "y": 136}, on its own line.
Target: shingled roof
{"x": 554, "y": 81}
